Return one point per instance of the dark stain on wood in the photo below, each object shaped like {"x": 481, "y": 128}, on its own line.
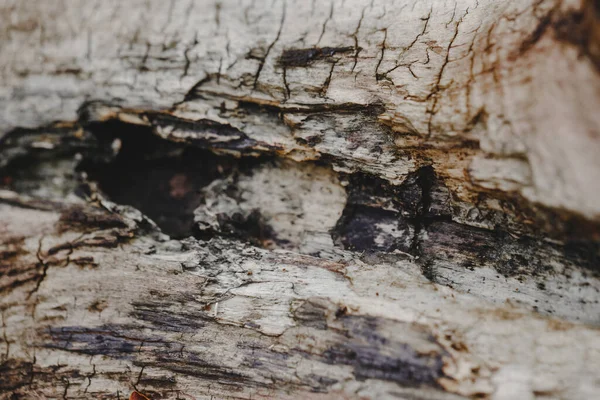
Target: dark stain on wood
{"x": 372, "y": 229}
{"x": 421, "y": 209}
{"x": 14, "y": 374}
{"x": 510, "y": 255}
{"x": 166, "y": 319}
{"x": 376, "y": 348}
{"x": 313, "y": 313}
{"x": 195, "y": 365}
{"x": 377, "y": 356}
{"x": 251, "y": 228}
{"x": 158, "y": 177}
{"x": 15, "y": 272}
{"x": 382, "y": 217}
{"x": 305, "y": 57}
{"x": 580, "y": 28}
{"x": 114, "y": 341}
{"x": 22, "y": 379}
{"x": 42, "y": 160}
{"x": 89, "y": 218}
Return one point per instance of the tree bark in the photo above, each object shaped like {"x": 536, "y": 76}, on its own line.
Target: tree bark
{"x": 300, "y": 199}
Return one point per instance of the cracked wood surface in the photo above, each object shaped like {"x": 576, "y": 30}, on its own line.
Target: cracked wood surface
{"x": 364, "y": 199}
{"x": 504, "y": 92}
{"x": 99, "y": 309}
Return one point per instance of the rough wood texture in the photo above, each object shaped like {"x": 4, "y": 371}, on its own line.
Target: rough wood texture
{"x": 300, "y": 199}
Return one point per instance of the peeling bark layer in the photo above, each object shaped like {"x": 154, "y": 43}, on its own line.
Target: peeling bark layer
{"x": 345, "y": 199}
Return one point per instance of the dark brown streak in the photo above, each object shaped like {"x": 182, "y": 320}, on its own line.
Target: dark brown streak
{"x": 377, "y": 76}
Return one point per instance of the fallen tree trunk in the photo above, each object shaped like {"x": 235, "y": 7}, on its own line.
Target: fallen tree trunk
{"x": 300, "y": 199}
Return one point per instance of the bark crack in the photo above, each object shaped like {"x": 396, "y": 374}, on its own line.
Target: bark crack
{"x": 437, "y": 88}
{"x": 324, "y": 27}
{"x": 186, "y": 52}
{"x": 426, "y": 20}
{"x": 89, "y": 378}
{"x": 44, "y": 265}
{"x": 378, "y": 76}
{"x": 270, "y": 47}
{"x": 67, "y": 385}
{"x": 325, "y": 86}
{"x": 357, "y": 49}
{"x": 288, "y": 92}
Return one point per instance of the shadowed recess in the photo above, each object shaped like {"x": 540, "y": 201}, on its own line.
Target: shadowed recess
{"x": 156, "y": 176}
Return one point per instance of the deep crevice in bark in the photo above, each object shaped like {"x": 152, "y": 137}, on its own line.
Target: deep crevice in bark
{"x": 158, "y": 177}
{"x": 165, "y": 179}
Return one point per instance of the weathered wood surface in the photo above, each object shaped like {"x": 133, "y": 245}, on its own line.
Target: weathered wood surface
{"x": 365, "y": 199}
{"x": 506, "y": 91}
{"x": 91, "y": 306}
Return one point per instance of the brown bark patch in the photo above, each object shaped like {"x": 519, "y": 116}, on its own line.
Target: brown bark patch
{"x": 304, "y": 57}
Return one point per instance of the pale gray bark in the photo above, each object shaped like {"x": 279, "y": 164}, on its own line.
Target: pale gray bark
{"x": 365, "y": 199}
